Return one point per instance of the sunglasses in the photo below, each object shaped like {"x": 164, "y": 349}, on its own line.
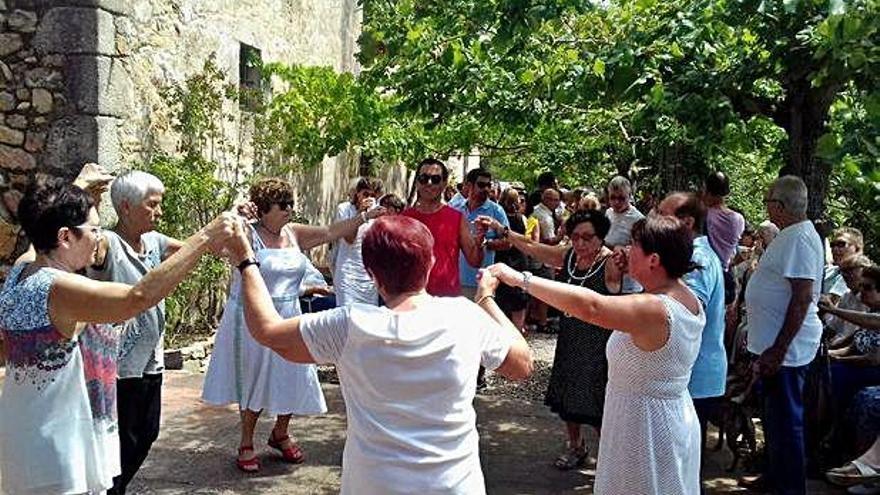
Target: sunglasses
{"x": 284, "y": 205}
{"x": 430, "y": 178}
{"x": 482, "y": 185}
{"x": 868, "y": 287}
{"x": 839, "y": 244}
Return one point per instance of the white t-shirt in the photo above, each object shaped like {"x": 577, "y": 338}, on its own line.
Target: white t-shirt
{"x": 620, "y": 233}
{"x": 795, "y": 253}
{"x": 545, "y": 221}
{"x": 409, "y": 381}
{"x": 344, "y": 211}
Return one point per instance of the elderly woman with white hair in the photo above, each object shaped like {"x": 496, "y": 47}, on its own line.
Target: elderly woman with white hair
{"x": 126, "y": 254}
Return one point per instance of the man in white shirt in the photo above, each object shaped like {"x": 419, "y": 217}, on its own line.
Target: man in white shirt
{"x": 623, "y": 215}
{"x": 784, "y": 330}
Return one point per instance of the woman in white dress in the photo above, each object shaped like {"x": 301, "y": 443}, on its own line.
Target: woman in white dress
{"x": 350, "y": 280}
{"x": 58, "y": 426}
{"x": 650, "y": 440}
{"x": 246, "y": 373}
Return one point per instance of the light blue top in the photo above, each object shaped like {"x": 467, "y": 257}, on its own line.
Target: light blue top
{"x": 466, "y": 272}
{"x": 709, "y": 375}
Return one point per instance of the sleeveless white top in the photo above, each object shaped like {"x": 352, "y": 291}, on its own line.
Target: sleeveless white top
{"x": 650, "y": 441}
{"x": 58, "y": 431}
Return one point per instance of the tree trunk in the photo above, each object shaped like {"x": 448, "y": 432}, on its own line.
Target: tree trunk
{"x": 805, "y": 114}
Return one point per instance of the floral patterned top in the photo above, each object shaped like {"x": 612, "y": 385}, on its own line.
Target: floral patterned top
{"x": 58, "y": 431}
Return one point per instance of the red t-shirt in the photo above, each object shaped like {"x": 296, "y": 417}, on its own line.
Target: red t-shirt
{"x": 444, "y": 225}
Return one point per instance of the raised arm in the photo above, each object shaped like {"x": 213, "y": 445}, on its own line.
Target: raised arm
{"x": 641, "y": 315}
{"x": 518, "y": 363}
{"x": 471, "y": 246}
{"x": 76, "y": 299}
{"x": 309, "y": 236}
{"x": 545, "y": 253}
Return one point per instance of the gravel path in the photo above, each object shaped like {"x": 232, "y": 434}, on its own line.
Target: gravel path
{"x": 533, "y": 388}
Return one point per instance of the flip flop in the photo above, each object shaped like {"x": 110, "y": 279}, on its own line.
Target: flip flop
{"x": 853, "y": 473}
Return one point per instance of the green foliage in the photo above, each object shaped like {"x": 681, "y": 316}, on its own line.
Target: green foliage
{"x": 200, "y": 182}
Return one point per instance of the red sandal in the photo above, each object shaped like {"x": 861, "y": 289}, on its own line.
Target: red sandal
{"x": 250, "y": 465}
{"x": 293, "y": 455}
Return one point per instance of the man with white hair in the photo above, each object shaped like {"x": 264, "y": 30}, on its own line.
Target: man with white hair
{"x": 125, "y": 254}
{"x": 784, "y": 331}
{"x": 623, "y": 215}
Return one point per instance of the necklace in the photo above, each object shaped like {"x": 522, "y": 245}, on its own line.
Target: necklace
{"x": 590, "y": 271}
{"x": 263, "y": 226}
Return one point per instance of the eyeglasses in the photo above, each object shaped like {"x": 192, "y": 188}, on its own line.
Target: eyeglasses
{"x": 97, "y": 230}
{"x": 284, "y": 205}
{"x": 583, "y": 237}
{"x": 839, "y": 244}
{"x": 430, "y": 178}
{"x": 483, "y": 185}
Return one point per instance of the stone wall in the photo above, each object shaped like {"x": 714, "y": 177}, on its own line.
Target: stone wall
{"x": 80, "y": 81}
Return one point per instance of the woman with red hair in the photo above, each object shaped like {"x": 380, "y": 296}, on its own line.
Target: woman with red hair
{"x": 408, "y": 369}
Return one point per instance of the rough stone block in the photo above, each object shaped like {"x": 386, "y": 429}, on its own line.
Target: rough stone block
{"x": 76, "y": 30}
{"x": 23, "y": 21}
{"x": 78, "y": 139}
{"x": 34, "y": 141}
{"x": 11, "y": 136}
{"x": 8, "y": 238}
{"x": 16, "y": 159}
{"x": 23, "y": 94}
{"x": 23, "y": 106}
{"x": 173, "y": 360}
{"x": 110, "y": 93}
{"x": 122, "y": 7}
{"x": 7, "y": 101}
{"x": 10, "y": 43}
{"x": 17, "y": 121}
{"x": 53, "y": 60}
{"x": 5, "y": 72}
{"x": 42, "y": 100}
{"x": 43, "y": 77}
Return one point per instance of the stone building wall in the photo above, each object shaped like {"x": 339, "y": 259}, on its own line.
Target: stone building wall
{"x": 80, "y": 81}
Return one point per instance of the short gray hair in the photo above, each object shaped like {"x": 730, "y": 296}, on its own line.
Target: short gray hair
{"x": 620, "y": 183}
{"x": 133, "y": 187}
{"x": 791, "y": 191}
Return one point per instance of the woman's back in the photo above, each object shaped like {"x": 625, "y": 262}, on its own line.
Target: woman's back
{"x": 650, "y": 440}
{"x": 409, "y": 380}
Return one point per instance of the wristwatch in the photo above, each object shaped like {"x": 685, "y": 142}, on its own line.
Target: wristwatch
{"x": 527, "y": 276}
{"x": 248, "y": 262}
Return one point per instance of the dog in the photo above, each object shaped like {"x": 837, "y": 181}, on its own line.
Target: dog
{"x": 734, "y": 416}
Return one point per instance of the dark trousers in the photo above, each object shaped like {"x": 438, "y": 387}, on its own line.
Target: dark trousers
{"x": 786, "y": 469}
{"x": 138, "y": 405}
{"x": 707, "y": 408}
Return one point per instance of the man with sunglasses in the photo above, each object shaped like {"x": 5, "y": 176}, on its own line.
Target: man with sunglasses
{"x": 448, "y": 227}
{"x": 479, "y": 182}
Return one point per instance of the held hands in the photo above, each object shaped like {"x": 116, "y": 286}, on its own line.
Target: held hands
{"x": 485, "y": 223}
{"x": 366, "y": 203}
{"x": 247, "y": 210}
{"x": 219, "y": 231}
{"x": 505, "y": 274}
{"x": 620, "y": 257}
{"x": 487, "y": 283}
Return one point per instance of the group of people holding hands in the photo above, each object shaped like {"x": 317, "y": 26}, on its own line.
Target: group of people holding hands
{"x": 83, "y": 324}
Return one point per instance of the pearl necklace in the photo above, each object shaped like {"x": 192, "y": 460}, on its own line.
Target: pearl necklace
{"x": 591, "y": 270}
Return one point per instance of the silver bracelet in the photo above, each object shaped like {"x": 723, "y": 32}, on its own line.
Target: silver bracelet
{"x": 527, "y": 276}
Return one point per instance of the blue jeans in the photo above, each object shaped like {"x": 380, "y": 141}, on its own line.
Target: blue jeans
{"x": 786, "y": 469}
